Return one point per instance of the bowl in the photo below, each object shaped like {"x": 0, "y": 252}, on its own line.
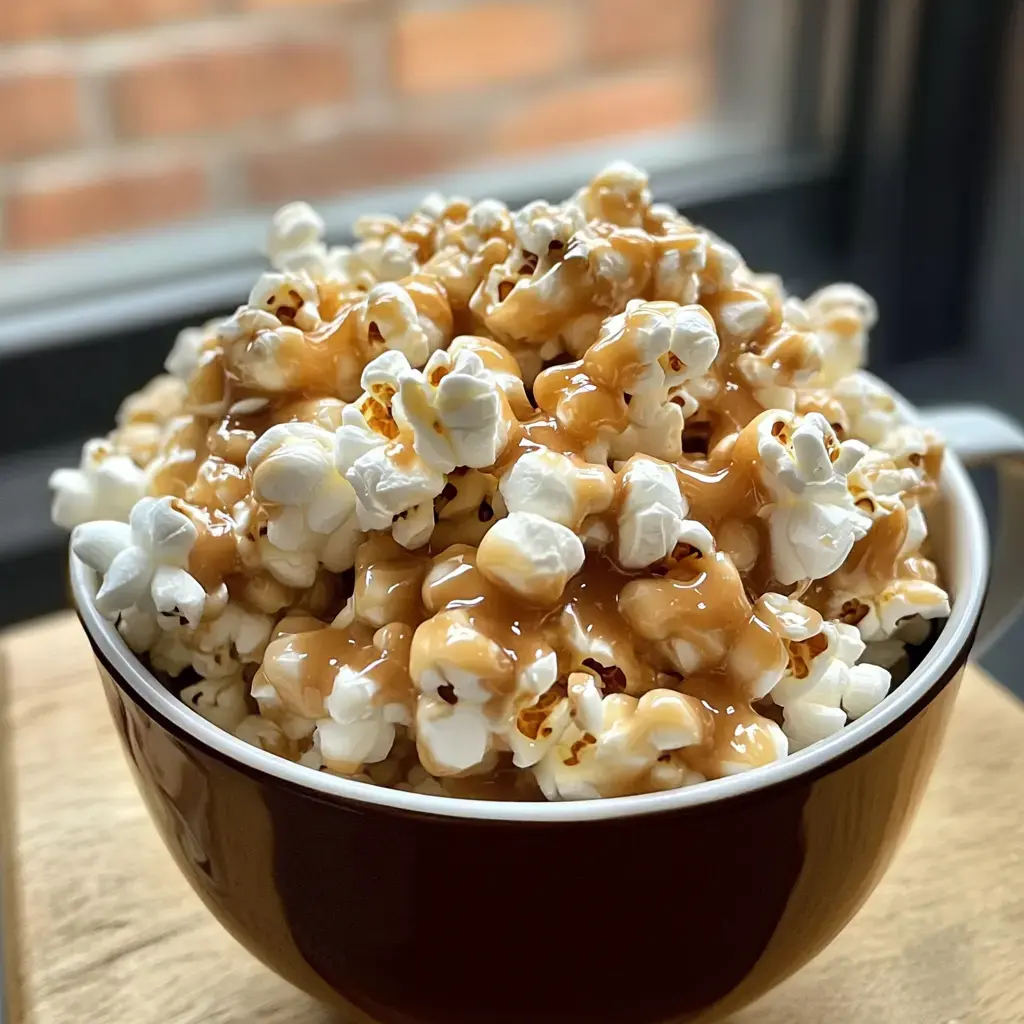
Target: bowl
{"x": 675, "y": 906}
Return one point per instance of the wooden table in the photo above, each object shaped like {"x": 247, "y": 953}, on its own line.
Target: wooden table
{"x": 100, "y": 927}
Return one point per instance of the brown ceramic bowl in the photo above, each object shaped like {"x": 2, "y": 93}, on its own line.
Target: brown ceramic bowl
{"x": 674, "y": 906}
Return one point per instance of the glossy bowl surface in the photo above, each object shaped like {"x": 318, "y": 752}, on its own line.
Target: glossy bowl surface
{"x": 675, "y": 906}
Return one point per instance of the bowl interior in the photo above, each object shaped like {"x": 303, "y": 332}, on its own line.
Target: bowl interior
{"x": 960, "y": 543}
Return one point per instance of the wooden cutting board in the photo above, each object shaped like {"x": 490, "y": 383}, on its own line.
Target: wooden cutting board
{"x": 99, "y": 927}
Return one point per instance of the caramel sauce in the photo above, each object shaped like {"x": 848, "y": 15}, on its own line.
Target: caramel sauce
{"x": 738, "y": 735}
{"x": 414, "y": 607}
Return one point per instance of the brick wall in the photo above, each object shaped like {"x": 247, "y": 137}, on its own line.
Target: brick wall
{"x": 119, "y": 114}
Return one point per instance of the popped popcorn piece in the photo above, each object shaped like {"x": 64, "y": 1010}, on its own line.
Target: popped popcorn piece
{"x": 531, "y": 556}
{"x": 143, "y": 563}
{"x": 841, "y": 316}
{"x": 389, "y": 477}
{"x": 105, "y": 486}
{"x": 786, "y": 360}
{"x": 618, "y": 193}
{"x": 879, "y": 613}
{"x": 652, "y": 516}
{"x": 221, "y": 701}
{"x": 870, "y": 409}
{"x": 458, "y": 670}
{"x": 454, "y": 410}
{"x": 615, "y": 745}
{"x": 310, "y": 505}
{"x": 363, "y": 710}
{"x": 290, "y": 296}
{"x": 558, "y": 488}
{"x": 813, "y": 519}
{"x": 222, "y": 646}
{"x": 296, "y": 234}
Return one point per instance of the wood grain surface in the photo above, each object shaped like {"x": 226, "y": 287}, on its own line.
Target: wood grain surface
{"x": 109, "y": 932}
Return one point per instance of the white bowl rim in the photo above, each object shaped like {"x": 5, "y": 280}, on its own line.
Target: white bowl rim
{"x": 968, "y": 568}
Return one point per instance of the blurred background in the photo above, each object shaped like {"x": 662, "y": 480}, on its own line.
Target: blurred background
{"x": 144, "y": 143}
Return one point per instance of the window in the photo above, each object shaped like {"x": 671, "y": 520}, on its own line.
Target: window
{"x": 146, "y": 140}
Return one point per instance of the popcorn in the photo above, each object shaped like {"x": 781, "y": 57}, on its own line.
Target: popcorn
{"x": 296, "y": 234}
{"x": 457, "y": 670}
{"x": 505, "y": 502}
{"x": 362, "y": 713}
{"x": 618, "y": 194}
{"x": 454, "y": 410}
{"x": 841, "y": 315}
{"x": 617, "y": 743}
{"x": 813, "y": 519}
{"x": 652, "y": 516}
{"x": 291, "y": 297}
{"x": 143, "y": 563}
{"x": 105, "y": 486}
{"x": 878, "y": 614}
{"x": 389, "y": 478}
{"x": 310, "y": 505}
{"x": 554, "y": 486}
{"x": 531, "y": 556}
{"x": 871, "y": 411}
{"x": 818, "y": 697}
{"x": 221, "y": 701}
{"x": 235, "y": 638}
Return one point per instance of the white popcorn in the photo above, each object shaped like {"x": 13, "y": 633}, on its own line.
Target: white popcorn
{"x": 743, "y": 315}
{"x": 391, "y": 258}
{"x": 388, "y": 478}
{"x": 774, "y": 643}
{"x": 413, "y": 528}
{"x": 256, "y": 340}
{"x": 310, "y": 504}
{"x": 883, "y": 612}
{"x": 807, "y": 722}
{"x": 296, "y": 232}
{"x": 555, "y": 487}
{"x": 531, "y": 556}
{"x": 236, "y": 637}
{"x": 183, "y": 359}
{"x": 105, "y": 486}
{"x": 291, "y": 297}
{"x": 391, "y": 309}
{"x": 458, "y": 671}
{"x": 455, "y": 411}
{"x": 841, "y": 315}
{"x": 813, "y": 519}
{"x": 500, "y": 365}
{"x": 220, "y": 701}
{"x": 143, "y": 563}
{"x": 652, "y": 516}
{"x": 360, "y": 728}
{"x": 878, "y": 484}
{"x": 540, "y": 227}
{"x": 613, "y": 744}
{"x": 824, "y": 685}
{"x": 871, "y": 409}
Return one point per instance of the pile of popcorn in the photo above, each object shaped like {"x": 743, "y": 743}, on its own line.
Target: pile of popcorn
{"x": 562, "y": 502}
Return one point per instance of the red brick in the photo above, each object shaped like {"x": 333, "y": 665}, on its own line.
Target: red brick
{"x": 120, "y": 202}
{"x": 465, "y": 47}
{"x": 37, "y": 19}
{"x": 621, "y": 31}
{"x": 603, "y": 109}
{"x": 38, "y": 114}
{"x": 262, "y": 5}
{"x": 215, "y": 90}
{"x": 355, "y": 160}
